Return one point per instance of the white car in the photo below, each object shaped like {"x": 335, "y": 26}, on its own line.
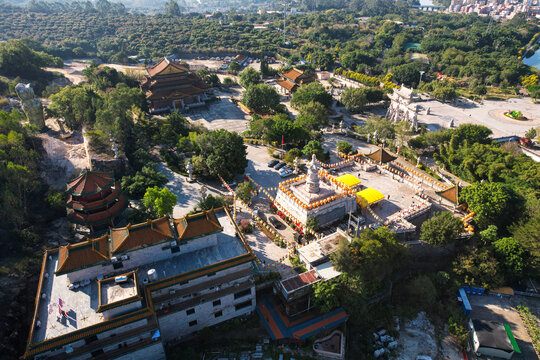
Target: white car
{"x": 286, "y": 173}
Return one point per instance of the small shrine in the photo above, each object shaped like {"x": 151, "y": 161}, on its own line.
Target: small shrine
{"x": 315, "y": 195}
{"x": 402, "y": 107}
{"x": 95, "y": 199}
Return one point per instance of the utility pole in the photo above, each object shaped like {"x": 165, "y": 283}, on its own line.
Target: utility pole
{"x": 284, "y": 21}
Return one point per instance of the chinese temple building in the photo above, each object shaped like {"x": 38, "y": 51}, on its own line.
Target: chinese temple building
{"x": 316, "y": 195}
{"x": 169, "y": 86}
{"x": 95, "y": 199}
{"x": 291, "y": 79}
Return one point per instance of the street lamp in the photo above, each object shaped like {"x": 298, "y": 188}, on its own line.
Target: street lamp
{"x": 421, "y": 73}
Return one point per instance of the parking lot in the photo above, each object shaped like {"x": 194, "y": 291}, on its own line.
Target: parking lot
{"x": 503, "y": 310}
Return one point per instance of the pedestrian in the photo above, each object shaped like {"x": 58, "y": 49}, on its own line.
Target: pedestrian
{"x": 388, "y": 196}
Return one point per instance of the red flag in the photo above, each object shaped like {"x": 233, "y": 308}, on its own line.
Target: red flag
{"x": 282, "y": 142}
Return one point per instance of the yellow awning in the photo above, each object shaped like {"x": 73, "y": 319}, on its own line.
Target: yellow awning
{"x": 368, "y": 196}
{"x": 349, "y": 180}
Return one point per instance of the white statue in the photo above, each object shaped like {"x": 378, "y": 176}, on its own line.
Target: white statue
{"x": 31, "y": 106}
{"x": 296, "y": 164}
{"x": 312, "y": 178}
{"x": 189, "y": 169}
{"x": 341, "y": 126}
{"x": 203, "y": 192}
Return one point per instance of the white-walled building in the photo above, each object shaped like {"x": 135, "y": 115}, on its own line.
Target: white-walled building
{"x": 122, "y": 295}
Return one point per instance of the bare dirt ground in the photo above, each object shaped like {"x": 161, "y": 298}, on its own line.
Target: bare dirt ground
{"x": 63, "y": 158}
{"x": 418, "y": 337}
{"x": 503, "y": 310}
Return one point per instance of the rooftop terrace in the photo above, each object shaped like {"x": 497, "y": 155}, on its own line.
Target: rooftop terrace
{"x": 79, "y": 306}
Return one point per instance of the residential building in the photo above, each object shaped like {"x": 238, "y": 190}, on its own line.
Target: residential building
{"x": 125, "y": 294}
{"x": 291, "y": 79}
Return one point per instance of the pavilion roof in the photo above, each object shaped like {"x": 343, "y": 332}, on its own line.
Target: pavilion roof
{"x": 381, "y": 156}
{"x": 86, "y": 253}
{"x": 293, "y": 74}
{"x": 166, "y": 64}
{"x": 90, "y": 183}
{"x": 196, "y": 225}
{"x": 451, "y": 194}
{"x": 135, "y": 236}
{"x": 287, "y": 84}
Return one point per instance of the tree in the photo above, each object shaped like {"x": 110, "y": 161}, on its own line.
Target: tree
{"x": 148, "y": 177}
{"x": 244, "y": 190}
{"x": 211, "y": 202}
{"x": 531, "y": 133}
{"x": 172, "y": 8}
{"x": 408, "y": 74}
{"x": 534, "y": 91}
{"x": 382, "y": 126}
{"x": 325, "y": 295}
{"x": 312, "y": 116}
{"x": 261, "y": 98}
{"x": 478, "y": 267}
{"x": 249, "y": 76}
{"x": 158, "y": 201}
{"x": 77, "y": 105}
{"x": 313, "y": 223}
{"x": 492, "y": 203}
{"x": 293, "y": 154}
{"x": 311, "y": 92}
{"x": 220, "y": 152}
{"x": 264, "y": 66}
{"x": 234, "y": 67}
{"x": 313, "y": 147}
{"x": 441, "y": 229}
{"x": 511, "y": 256}
{"x": 354, "y": 99}
{"x": 344, "y": 147}
{"x": 445, "y": 93}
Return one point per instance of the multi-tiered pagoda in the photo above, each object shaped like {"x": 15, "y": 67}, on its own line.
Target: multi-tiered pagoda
{"x": 95, "y": 199}
{"x": 170, "y": 86}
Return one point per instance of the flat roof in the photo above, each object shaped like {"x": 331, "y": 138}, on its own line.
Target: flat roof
{"x": 492, "y": 334}
{"x": 81, "y": 305}
{"x": 118, "y": 289}
{"x": 318, "y": 249}
{"x": 327, "y": 271}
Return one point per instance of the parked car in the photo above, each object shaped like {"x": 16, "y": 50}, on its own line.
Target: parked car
{"x": 287, "y": 167}
{"x": 286, "y": 173}
{"x": 273, "y": 163}
{"x": 280, "y": 165}
{"x": 231, "y": 184}
{"x": 275, "y": 222}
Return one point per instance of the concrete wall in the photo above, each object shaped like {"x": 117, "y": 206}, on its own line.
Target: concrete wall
{"x": 176, "y": 325}
{"x": 109, "y": 314}
{"x": 154, "y": 352}
{"x": 202, "y": 279}
{"x": 326, "y": 214}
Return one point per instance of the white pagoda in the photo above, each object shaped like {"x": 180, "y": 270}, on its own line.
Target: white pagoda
{"x": 315, "y": 195}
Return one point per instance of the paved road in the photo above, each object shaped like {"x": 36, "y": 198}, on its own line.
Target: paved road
{"x": 489, "y": 113}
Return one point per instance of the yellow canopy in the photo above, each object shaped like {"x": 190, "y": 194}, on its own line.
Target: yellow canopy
{"x": 349, "y": 180}
{"x": 368, "y": 196}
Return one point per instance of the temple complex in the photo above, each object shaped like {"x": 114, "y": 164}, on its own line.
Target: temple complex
{"x": 95, "y": 199}
{"x": 291, "y": 79}
{"x": 171, "y": 86}
{"x": 316, "y": 195}
{"x": 402, "y": 107}
{"x": 127, "y": 293}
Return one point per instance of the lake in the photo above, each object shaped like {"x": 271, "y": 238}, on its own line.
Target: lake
{"x": 533, "y": 60}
